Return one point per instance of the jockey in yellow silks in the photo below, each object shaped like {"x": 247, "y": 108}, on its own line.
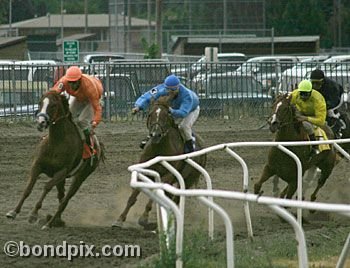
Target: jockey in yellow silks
{"x": 311, "y": 107}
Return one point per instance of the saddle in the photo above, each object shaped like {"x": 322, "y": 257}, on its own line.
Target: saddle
{"x": 320, "y": 135}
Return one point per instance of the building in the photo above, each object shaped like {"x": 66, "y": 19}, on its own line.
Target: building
{"x": 45, "y": 33}
{"x": 195, "y": 45}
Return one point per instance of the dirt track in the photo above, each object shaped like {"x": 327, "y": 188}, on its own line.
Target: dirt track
{"x": 101, "y": 198}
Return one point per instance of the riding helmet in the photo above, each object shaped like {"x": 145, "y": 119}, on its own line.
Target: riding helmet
{"x": 305, "y": 86}
{"x": 73, "y": 73}
{"x": 172, "y": 82}
{"x": 317, "y": 75}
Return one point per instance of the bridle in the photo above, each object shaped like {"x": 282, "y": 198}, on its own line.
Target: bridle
{"x": 44, "y": 120}
{"x": 163, "y": 127}
{"x": 287, "y": 114}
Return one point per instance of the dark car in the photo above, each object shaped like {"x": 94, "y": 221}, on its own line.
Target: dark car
{"x": 120, "y": 94}
{"x": 228, "y": 91}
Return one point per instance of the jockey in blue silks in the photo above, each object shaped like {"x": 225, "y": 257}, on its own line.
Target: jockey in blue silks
{"x": 184, "y": 106}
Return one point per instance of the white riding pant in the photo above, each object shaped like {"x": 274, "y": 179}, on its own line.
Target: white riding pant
{"x": 309, "y": 127}
{"x": 187, "y": 122}
{"x": 82, "y": 112}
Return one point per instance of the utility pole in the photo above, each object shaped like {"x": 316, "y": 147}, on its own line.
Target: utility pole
{"x": 149, "y": 21}
{"x": 86, "y": 16}
{"x": 225, "y": 16}
{"x": 129, "y": 27}
{"x": 159, "y": 27}
{"x": 339, "y": 23}
{"x": 10, "y": 18}
{"x": 62, "y": 33}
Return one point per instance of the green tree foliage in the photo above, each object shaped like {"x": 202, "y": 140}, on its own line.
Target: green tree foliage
{"x": 287, "y": 17}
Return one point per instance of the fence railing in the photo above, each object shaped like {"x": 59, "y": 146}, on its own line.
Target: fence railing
{"x": 225, "y": 89}
{"x": 149, "y": 182}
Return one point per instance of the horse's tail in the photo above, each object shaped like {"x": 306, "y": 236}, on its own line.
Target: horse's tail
{"x": 103, "y": 152}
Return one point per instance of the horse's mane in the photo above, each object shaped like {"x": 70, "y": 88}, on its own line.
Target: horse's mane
{"x": 162, "y": 100}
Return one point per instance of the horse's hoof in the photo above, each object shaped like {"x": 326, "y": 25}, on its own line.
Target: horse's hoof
{"x": 11, "y": 215}
{"x": 58, "y": 223}
{"x": 32, "y": 218}
{"x": 312, "y": 211}
{"x": 256, "y": 189}
{"x": 45, "y": 227}
{"x": 150, "y": 226}
{"x": 118, "y": 224}
{"x": 143, "y": 221}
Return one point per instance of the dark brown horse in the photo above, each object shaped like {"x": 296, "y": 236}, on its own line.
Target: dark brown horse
{"x": 165, "y": 140}
{"x": 283, "y": 121}
{"x": 59, "y": 156}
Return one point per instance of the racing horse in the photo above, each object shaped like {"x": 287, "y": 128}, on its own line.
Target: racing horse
{"x": 165, "y": 140}
{"x": 286, "y": 127}
{"x": 59, "y": 156}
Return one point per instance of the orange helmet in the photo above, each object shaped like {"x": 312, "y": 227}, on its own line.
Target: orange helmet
{"x": 73, "y": 73}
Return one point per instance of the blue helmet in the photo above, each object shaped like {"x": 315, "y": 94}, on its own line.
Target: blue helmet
{"x": 172, "y": 82}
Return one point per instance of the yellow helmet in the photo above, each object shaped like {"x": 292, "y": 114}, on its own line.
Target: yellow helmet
{"x": 305, "y": 86}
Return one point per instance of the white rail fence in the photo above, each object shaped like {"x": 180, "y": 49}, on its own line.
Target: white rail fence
{"x": 149, "y": 182}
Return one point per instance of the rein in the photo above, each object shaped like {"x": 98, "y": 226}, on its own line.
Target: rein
{"x": 163, "y": 127}
{"x": 55, "y": 117}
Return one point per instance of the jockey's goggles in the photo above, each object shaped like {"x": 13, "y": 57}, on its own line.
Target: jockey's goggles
{"x": 316, "y": 80}
{"x": 305, "y": 94}
{"x": 172, "y": 87}
{"x": 74, "y": 84}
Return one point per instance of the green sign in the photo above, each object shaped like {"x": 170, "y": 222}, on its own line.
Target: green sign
{"x": 71, "y": 51}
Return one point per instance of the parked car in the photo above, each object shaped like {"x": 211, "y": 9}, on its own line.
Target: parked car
{"x": 149, "y": 73}
{"x": 120, "y": 94}
{"x": 267, "y": 69}
{"x": 101, "y": 57}
{"x": 229, "y": 62}
{"x": 225, "y": 90}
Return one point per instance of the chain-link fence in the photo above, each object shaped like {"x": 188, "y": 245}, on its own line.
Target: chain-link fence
{"x": 227, "y": 90}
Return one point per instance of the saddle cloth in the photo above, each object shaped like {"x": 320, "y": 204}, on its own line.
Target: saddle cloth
{"x": 320, "y": 134}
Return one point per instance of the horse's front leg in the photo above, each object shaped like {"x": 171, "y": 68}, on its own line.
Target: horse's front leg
{"x": 275, "y": 189}
{"x": 131, "y": 201}
{"x": 143, "y": 220}
{"x": 267, "y": 173}
{"x": 57, "y": 178}
{"x": 34, "y": 174}
{"x": 56, "y": 219}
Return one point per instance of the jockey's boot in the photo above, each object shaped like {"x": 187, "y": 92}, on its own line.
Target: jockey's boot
{"x": 337, "y": 128}
{"x": 144, "y": 141}
{"x": 314, "y": 148}
{"x": 87, "y": 137}
{"x": 189, "y": 148}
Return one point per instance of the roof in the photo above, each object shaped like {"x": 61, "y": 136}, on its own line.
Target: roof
{"x": 279, "y": 39}
{"x": 8, "y": 41}
{"x": 74, "y": 21}
{"x": 75, "y": 37}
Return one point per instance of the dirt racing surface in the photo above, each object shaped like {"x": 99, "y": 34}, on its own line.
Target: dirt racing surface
{"x": 103, "y": 195}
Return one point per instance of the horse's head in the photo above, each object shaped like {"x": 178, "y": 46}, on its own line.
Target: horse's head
{"x": 283, "y": 113}
{"x": 52, "y": 107}
{"x": 159, "y": 119}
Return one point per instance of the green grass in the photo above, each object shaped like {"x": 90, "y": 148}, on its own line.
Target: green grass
{"x": 274, "y": 250}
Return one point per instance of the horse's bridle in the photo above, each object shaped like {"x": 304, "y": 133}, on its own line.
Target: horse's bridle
{"x": 164, "y": 127}
{"x": 46, "y": 120}
{"x": 281, "y": 123}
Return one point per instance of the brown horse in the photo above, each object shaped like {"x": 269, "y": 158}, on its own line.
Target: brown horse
{"x": 59, "y": 156}
{"x": 283, "y": 121}
{"x": 165, "y": 140}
